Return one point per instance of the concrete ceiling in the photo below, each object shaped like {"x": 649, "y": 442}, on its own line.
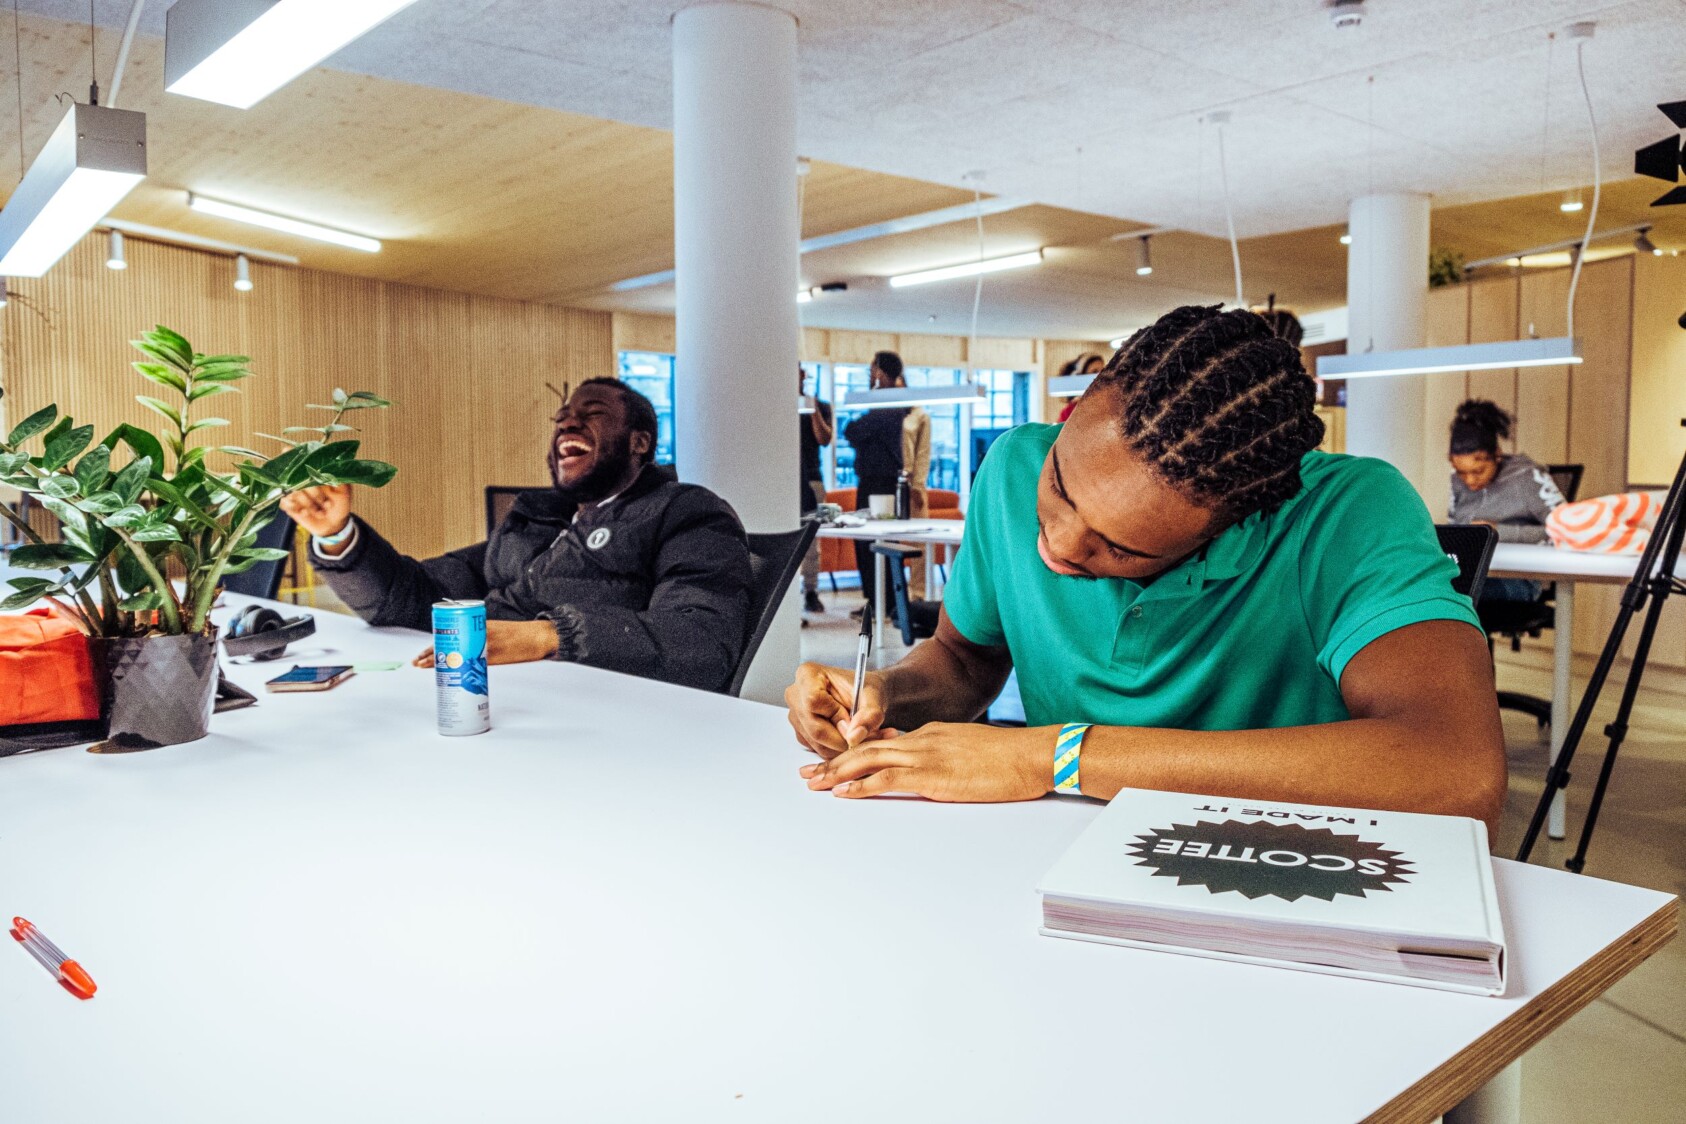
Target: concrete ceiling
{"x": 1092, "y": 108}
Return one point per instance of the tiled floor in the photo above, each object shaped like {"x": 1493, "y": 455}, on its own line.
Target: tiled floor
{"x": 1623, "y": 1059}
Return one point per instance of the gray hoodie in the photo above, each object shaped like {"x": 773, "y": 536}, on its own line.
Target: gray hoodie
{"x": 1516, "y": 502}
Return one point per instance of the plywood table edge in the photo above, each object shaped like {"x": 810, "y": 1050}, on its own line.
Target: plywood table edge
{"x": 1480, "y": 1061}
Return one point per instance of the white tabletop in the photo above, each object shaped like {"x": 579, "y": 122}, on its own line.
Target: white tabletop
{"x": 1543, "y": 562}
{"x": 622, "y": 904}
{"x": 938, "y": 531}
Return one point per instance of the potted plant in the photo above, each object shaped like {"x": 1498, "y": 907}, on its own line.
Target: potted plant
{"x": 126, "y": 529}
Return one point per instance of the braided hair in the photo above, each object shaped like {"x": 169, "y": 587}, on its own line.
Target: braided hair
{"x": 1477, "y": 427}
{"x": 1219, "y": 406}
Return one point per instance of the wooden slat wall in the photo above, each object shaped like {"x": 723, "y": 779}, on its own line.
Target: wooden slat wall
{"x": 467, "y": 372}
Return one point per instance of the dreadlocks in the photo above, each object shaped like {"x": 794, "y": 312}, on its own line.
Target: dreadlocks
{"x": 1219, "y": 406}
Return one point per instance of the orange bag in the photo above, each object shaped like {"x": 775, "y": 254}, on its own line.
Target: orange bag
{"x": 46, "y": 671}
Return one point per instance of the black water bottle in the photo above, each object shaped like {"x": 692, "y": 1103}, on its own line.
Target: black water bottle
{"x": 904, "y": 495}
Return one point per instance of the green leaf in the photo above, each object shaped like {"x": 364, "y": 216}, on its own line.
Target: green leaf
{"x": 34, "y": 584}
{"x": 264, "y": 554}
{"x": 162, "y": 374}
{"x": 101, "y": 503}
{"x": 319, "y": 406}
{"x": 289, "y": 466}
{"x": 172, "y": 342}
{"x": 207, "y": 389}
{"x": 163, "y": 355}
{"x": 25, "y": 598}
{"x": 71, "y": 520}
{"x": 340, "y": 396}
{"x": 38, "y": 422}
{"x": 158, "y": 407}
{"x": 190, "y": 458}
{"x": 12, "y": 462}
{"x": 242, "y": 451}
{"x": 324, "y": 458}
{"x": 373, "y": 400}
{"x": 60, "y": 486}
{"x": 207, "y": 423}
{"x": 370, "y": 403}
{"x": 93, "y": 468}
{"x": 370, "y": 474}
{"x": 221, "y": 360}
{"x": 49, "y": 556}
{"x": 171, "y": 494}
{"x": 137, "y": 439}
{"x": 142, "y": 602}
{"x": 62, "y": 448}
{"x": 157, "y": 532}
{"x": 251, "y": 473}
{"x": 127, "y": 484}
{"x": 129, "y": 516}
{"x": 283, "y": 440}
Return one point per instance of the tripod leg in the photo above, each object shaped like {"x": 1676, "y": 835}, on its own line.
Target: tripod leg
{"x": 1562, "y": 663}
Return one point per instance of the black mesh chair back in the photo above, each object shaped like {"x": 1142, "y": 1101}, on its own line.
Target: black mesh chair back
{"x": 1567, "y": 477}
{"x": 264, "y": 579}
{"x": 1471, "y": 547}
{"x": 499, "y": 499}
{"x": 916, "y": 619}
{"x": 773, "y": 561}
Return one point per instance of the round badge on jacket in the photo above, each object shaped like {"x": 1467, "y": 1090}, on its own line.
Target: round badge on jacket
{"x": 598, "y": 538}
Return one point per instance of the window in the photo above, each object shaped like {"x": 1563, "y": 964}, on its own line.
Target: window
{"x": 651, "y": 374}
{"x": 1008, "y": 403}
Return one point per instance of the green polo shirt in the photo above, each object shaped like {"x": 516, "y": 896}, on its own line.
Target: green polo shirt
{"x": 1251, "y": 633}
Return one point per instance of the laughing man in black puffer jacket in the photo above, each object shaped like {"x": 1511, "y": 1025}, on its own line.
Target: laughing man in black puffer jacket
{"x": 618, "y": 567}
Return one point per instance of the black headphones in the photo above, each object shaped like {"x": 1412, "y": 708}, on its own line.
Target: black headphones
{"x": 262, "y": 633}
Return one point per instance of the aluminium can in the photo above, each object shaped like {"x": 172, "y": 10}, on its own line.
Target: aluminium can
{"x": 459, "y": 668}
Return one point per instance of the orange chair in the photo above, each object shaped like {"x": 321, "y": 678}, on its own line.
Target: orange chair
{"x": 837, "y": 556}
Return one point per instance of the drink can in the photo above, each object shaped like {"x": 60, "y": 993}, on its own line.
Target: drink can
{"x": 459, "y": 667}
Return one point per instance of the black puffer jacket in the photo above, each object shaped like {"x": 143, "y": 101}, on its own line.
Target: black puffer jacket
{"x": 656, "y": 584}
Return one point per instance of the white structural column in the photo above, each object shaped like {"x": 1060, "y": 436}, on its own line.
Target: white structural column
{"x": 1387, "y": 293}
{"x": 735, "y": 252}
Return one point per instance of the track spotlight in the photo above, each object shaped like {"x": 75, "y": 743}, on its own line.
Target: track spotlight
{"x": 242, "y": 273}
{"x": 1642, "y": 242}
{"x": 114, "y": 258}
{"x": 1346, "y": 238}
{"x": 1571, "y": 203}
{"x": 1144, "y": 256}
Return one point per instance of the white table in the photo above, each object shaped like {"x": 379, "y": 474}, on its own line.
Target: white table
{"x": 1543, "y": 563}
{"x": 929, "y": 533}
{"x": 622, "y": 904}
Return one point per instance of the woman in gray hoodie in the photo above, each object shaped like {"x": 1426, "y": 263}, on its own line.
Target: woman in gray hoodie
{"x": 1508, "y": 492}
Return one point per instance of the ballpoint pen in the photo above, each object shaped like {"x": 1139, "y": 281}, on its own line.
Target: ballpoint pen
{"x": 867, "y": 615}
{"x": 52, "y": 958}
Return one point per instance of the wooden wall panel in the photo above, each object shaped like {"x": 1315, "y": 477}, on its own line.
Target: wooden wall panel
{"x": 1446, "y": 324}
{"x": 1658, "y": 392}
{"x": 467, "y": 373}
{"x": 1599, "y": 386}
{"x": 640, "y": 332}
{"x": 859, "y": 347}
{"x": 1492, "y": 317}
{"x": 931, "y": 351}
{"x": 1543, "y": 393}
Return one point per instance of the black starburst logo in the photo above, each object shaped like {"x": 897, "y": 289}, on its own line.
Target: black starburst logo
{"x": 1288, "y": 861}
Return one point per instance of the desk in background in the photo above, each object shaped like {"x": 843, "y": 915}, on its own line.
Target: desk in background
{"x": 929, "y": 533}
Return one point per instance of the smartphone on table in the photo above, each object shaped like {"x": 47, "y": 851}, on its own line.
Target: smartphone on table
{"x": 311, "y": 678}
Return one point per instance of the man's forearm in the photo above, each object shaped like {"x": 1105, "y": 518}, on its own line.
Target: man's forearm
{"x": 939, "y": 681}
{"x": 1384, "y": 763}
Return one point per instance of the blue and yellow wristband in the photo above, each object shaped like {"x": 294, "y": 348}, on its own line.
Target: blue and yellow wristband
{"x": 1068, "y": 755}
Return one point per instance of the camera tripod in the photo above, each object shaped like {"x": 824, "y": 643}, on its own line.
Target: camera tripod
{"x": 1653, "y": 581}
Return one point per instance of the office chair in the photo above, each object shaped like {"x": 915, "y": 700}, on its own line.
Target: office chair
{"x": 774, "y": 560}
{"x": 1515, "y": 619}
{"x": 1471, "y": 547}
{"x": 264, "y": 579}
{"x": 499, "y": 499}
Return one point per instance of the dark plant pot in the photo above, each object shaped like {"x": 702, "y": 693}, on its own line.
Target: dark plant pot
{"x": 158, "y": 690}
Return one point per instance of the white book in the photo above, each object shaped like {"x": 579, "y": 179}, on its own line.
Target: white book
{"x": 1394, "y": 896}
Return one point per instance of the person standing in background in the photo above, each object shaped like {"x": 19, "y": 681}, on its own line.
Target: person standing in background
{"x": 916, "y": 459}
{"x": 1089, "y": 363}
{"x": 877, "y": 439}
{"x": 1507, "y": 492}
{"x": 814, "y": 432}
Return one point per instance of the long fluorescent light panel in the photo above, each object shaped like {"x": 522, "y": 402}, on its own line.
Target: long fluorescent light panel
{"x": 1069, "y": 386}
{"x": 965, "y": 393}
{"x": 966, "y": 269}
{"x": 1555, "y": 352}
{"x": 93, "y": 159}
{"x": 280, "y": 222}
{"x": 238, "y": 52}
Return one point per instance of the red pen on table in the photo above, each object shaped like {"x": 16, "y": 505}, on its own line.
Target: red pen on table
{"x": 52, "y": 958}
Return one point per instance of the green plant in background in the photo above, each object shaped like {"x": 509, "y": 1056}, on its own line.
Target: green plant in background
{"x": 121, "y": 528}
{"x": 1445, "y": 267}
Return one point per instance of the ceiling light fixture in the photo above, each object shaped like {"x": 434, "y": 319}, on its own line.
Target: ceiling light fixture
{"x": 238, "y": 52}
{"x": 193, "y": 241}
{"x": 94, "y": 158}
{"x": 1346, "y": 238}
{"x": 1144, "y": 256}
{"x": 803, "y": 296}
{"x": 965, "y": 394}
{"x": 280, "y": 222}
{"x": 966, "y": 269}
{"x": 242, "y": 273}
{"x": 114, "y": 258}
{"x": 1571, "y": 203}
{"x": 1069, "y": 386}
{"x": 1558, "y": 351}
{"x": 1643, "y": 244}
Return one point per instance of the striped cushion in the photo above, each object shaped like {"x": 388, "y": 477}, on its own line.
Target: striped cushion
{"x": 1618, "y": 524}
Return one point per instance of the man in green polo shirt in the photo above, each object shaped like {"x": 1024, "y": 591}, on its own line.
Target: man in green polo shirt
{"x": 1195, "y": 600}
